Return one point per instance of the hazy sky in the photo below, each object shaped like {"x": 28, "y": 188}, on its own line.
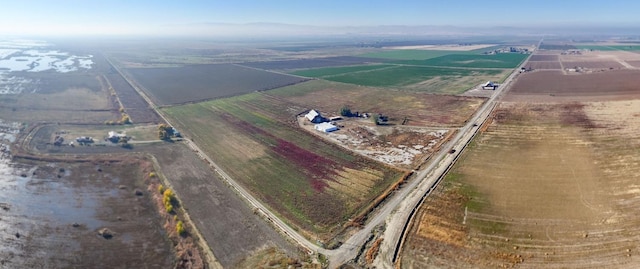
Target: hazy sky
{"x": 147, "y": 16}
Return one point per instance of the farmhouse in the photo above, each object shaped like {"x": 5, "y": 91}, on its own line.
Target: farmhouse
{"x": 489, "y": 86}
{"x": 326, "y": 127}
{"x": 314, "y": 116}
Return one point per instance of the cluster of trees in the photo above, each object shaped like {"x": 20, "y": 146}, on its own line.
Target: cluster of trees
{"x": 165, "y": 132}
{"x": 345, "y": 111}
{"x": 378, "y": 119}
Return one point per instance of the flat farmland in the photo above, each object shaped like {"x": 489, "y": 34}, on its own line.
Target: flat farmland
{"x": 551, "y": 46}
{"x": 500, "y": 60}
{"x": 223, "y": 219}
{"x": 312, "y": 63}
{"x": 313, "y": 184}
{"x": 409, "y": 54}
{"x": 135, "y": 106}
{"x": 400, "y": 76}
{"x": 634, "y": 63}
{"x": 554, "y": 86}
{"x": 543, "y": 57}
{"x": 73, "y": 105}
{"x": 192, "y": 83}
{"x": 593, "y": 64}
{"x": 332, "y": 71}
{"x": 544, "y": 65}
{"x": 545, "y": 186}
{"x": 77, "y": 97}
{"x": 420, "y": 109}
{"x": 631, "y": 47}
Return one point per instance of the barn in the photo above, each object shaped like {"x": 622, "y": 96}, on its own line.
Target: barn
{"x": 314, "y": 116}
{"x": 326, "y": 127}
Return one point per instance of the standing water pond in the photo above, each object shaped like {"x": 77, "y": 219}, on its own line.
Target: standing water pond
{"x": 77, "y": 215}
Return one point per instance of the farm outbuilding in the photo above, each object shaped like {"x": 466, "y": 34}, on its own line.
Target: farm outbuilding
{"x": 115, "y": 137}
{"x": 314, "y": 116}
{"x": 326, "y": 127}
{"x": 489, "y": 86}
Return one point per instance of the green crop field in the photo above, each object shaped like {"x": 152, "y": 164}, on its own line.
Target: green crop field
{"x": 331, "y": 71}
{"x": 405, "y": 75}
{"x": 315, "y": 185}
{"x": 500, "y": 60}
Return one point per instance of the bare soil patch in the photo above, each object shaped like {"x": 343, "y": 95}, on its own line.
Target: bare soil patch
{"x": 543, "y": 65}
{"x": 554, "y": 86}
{"x": 402, "y": 146}
{"x": 544, "y": 58}
{"x": 602, "y": 65}
{"x": 546, "y": 186}
{"x": 634, "y": 63}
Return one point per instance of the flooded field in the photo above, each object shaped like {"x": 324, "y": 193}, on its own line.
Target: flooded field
{"x": 34, "y": 56}
{"x": 77, "y": 214}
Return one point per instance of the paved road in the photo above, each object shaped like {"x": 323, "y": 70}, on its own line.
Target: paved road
{"x": 397, "y": 209}
{"x": 427, "y": 179}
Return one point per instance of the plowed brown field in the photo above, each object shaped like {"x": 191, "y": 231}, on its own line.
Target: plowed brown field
{"x": 543, "y": 65}
{"x": 553, "y": 182}
{"x": 554, "y": 86}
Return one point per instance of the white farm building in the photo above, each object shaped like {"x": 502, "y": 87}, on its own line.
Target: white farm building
{"x": 314, "y": 116}
{"x": 326, "y": 127}
{"x": 489, "y": 86}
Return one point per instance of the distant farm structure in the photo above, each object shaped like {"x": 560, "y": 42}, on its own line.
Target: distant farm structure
{"x": 489, "y": 85}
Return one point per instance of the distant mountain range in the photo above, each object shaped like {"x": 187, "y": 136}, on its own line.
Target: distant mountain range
{"x": 265, "y": 29}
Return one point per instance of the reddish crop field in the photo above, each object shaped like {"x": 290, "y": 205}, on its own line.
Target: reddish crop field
{"x": 193, "y": 83}
{"x": 550, "y": 86}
